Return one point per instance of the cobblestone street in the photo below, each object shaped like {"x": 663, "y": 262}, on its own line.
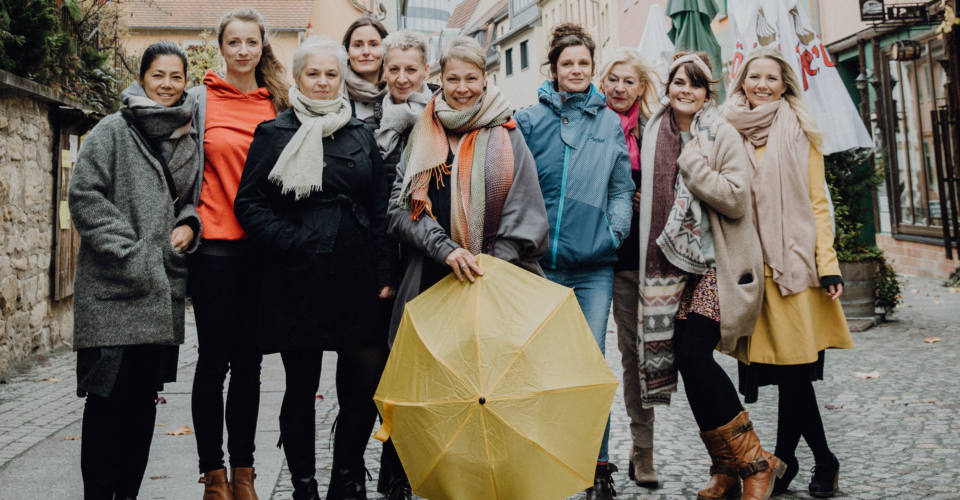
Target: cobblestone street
{"x": 897, "y": 436}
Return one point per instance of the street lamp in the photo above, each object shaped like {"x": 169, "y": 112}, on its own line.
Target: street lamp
{"x": 861, "y": 82}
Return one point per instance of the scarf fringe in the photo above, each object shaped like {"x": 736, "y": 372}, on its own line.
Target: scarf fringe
{"x": 418, "y": 206}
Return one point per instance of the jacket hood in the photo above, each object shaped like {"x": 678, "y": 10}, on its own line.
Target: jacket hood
{"x": 590, "y": 101}
{"x": 221, "y": 88}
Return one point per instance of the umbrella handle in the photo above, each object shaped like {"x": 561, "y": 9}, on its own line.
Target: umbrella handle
{"x": 383, "y": 433}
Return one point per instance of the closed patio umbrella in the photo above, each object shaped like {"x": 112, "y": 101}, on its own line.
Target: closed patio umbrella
{"x": 691, "y": 32}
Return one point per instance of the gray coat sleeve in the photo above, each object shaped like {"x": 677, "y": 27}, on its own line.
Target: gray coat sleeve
{"x": 522, "y": 237}
{"x": 99, "y": 222}
{"x": 425, "y": 233}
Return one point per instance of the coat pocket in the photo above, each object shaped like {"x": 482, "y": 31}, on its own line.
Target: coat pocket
{"x": 124, "y": 278}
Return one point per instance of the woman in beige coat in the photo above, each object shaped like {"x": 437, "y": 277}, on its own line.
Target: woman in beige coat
{"x": 701, "y": 264}
{"x": 801, "y": 316}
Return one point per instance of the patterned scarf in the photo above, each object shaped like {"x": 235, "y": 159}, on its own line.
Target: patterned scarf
{"x": 300, "y": 166}
{"x": 482, "y": 176}
{"x": 680, "y": 239}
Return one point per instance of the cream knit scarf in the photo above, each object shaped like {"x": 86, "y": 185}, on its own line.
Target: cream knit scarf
{"x": 781, "y": 190}
{"x": 300, "y": 166}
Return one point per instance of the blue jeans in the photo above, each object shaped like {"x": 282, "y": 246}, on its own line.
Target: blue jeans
{"x": 594, "y": 289}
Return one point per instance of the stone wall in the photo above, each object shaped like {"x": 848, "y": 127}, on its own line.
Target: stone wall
{"x": 30, "y": 320}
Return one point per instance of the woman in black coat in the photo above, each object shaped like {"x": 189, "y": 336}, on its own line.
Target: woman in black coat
{"x": 314, "y": 196}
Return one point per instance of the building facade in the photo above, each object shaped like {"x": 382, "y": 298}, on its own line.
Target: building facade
{"x": 427, "y": 16}
{"x": 909, "y": 98}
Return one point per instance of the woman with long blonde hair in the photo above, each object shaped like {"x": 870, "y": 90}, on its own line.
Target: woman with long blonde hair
{"x": 630, "y": 86}
{"x": 798, "y": 321}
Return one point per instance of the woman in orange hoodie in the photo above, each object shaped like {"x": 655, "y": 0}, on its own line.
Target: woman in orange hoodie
{"x": 224, "y": 271}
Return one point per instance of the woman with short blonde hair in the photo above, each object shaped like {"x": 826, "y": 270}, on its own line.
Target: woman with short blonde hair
{"x": 798, "y": 321}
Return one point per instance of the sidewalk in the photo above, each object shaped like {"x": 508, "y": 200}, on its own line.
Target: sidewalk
{"x": 896, "y": 437}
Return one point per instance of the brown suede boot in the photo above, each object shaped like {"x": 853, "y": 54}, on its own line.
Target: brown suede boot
{"x": 241, "y": 482}
{"x": 724, "y": 481}
{"x": 757, "y": 467}
{"x": 216, "y": 485}
{"x": 641, "y": 467}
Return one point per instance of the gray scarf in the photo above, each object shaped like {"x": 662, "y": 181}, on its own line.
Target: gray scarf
{"x": 400, "y": 118}
{"x": 158, "y": 122}
{"x": 359, "y": 89}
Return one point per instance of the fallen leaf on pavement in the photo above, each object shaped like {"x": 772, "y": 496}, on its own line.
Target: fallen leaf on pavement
{"x": 159, "y": 477}
{"x": 938, "y": 302}
{"x": 161, "y": 400}
{"x": 51, "y": 379}
{"x": 954, "y": 289}
{"x": 931, "y": 340}
{"x": 159, "y": 425}
{"x": 873, "y": 374}
{"x": 928, "y": 400}
{"x": 71, "y": 438}
{"x": 833, "y": 407}
{"x": 319, "y": 396}
{"x": 914, "y": 291}
{"x": 182, "y": 431}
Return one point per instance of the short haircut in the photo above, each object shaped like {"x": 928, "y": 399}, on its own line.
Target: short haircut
{"x": 406, "y": 40}
{"x": 319, "y": 45}
{"x": 465, "y": 49}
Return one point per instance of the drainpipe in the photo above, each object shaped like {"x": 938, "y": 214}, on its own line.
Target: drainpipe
{"x": 596, "y": 18}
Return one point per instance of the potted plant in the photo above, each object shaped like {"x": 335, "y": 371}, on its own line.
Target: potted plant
{"x": 852, "y": 184}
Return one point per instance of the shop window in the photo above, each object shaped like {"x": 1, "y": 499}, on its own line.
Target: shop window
{"x": 917, "y": 88}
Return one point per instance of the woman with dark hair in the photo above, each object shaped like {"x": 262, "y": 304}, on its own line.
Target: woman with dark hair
{"x": 314, "y": 198}
{"x": 224, "y": 272}
{"x": 584, "y": 170}
{"x": 130, "y": 202}
{"x": 363, "y": 42}
{"x": 700, "y": 288}
{"x": 801, "y": 316}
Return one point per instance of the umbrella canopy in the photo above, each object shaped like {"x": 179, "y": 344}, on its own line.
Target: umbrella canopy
{"x": 655, "y": 46}
{"x": 496, "y": 389}
{"x": 691, "y": 32}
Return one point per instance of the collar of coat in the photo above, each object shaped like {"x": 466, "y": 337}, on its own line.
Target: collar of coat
{"x": 289, "y": 120}
{"x": 590, "y": 101}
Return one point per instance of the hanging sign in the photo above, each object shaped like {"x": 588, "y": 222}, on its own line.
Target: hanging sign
{"x": 871, "y": 10}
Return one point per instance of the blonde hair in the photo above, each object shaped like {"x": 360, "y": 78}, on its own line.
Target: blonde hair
{"x": 464, "y": 49}
{"x": 269, "y": 72}
{"x": 648, "y": 76}
{"x": 793, "y": 95}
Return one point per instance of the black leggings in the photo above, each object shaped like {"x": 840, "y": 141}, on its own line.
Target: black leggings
{"x": 224, "y": 291}
{"x": 358, "y": 373}
{"x": 799, "y": 415}
{"x": 712, "y": 396}
{"x": 118, "y": 430}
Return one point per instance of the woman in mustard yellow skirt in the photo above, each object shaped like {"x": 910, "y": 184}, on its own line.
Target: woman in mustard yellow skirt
{"x": 800, "y": 316}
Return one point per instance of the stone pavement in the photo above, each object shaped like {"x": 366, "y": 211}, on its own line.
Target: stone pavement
{"x": 897, "y": 436}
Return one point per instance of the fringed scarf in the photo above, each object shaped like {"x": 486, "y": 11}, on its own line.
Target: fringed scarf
{"x": 482, "y": 175}
{"x": 673, "y": 245}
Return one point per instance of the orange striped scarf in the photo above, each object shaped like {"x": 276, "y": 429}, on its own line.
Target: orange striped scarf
{"x": 482, "y": 175}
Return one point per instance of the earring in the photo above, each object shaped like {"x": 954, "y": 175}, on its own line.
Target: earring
{"x": 484, "y": 88}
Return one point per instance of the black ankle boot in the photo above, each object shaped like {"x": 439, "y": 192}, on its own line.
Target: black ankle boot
{"x": 347, "y": 483}
{"x": 826, "y": 478}
{"x": 298, "y": 435}
{"x": 603, "y": 483}
{"x": 399, "y": 490}
{"x": 782, "y": 484}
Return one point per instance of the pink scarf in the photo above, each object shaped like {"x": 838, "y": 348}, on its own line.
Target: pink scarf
{"x": 628, "y": 122}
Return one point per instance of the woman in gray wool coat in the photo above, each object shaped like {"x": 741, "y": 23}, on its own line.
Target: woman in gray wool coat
{"x": 129, "y": 202}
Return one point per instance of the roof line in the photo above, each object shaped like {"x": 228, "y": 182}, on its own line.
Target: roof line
{"x": 194, "y": 28}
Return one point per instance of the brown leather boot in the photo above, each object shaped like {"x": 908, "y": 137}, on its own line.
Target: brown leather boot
{"x": 216, "y": 485}
{"x": 641, "y": 467}
{"x": 757, "y": 467}
{"x": 724, "y": 481}
{"x": 241, "y": 482}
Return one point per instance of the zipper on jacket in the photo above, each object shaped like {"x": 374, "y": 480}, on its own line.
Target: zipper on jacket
{"x": 563, "y": 193}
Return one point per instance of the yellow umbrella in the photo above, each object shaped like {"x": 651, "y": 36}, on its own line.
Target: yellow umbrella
{"x": 496, "y": 389}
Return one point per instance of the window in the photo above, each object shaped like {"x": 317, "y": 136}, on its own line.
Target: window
{"x": 524, "y": 58}
{"x": 919, "y": 88}
{"x": 508, "y": 61}
{"x": 481, "y": 37}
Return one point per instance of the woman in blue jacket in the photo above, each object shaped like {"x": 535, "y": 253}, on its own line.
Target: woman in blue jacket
{"x": 584, "y": 171}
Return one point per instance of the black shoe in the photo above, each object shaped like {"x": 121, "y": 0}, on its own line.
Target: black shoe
{"x": 347, "y": 484}
{"x": 826, "y": 478}
{"x": 782, "y": 484}
{"x": 603, "y": 483}
{"x": 399, "y": 490}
